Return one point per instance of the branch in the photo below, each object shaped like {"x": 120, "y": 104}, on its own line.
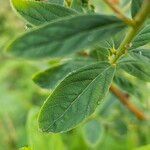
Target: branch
{"x": 132, "y": 32}
{"x": 119, "y": 13}
{"x": 124, "y": 99}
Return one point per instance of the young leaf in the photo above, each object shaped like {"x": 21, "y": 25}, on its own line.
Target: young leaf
{"x": 76, "y": 97}
{"x": 38, "y": 13}
{"x": 136, "y": 68}
{"x": 92, "y": 132}
{"x": 135, "y": 7}
{"x": 142, "y": 38}
{"x": 65, "y": 36}
{"x": 51, "y": 77}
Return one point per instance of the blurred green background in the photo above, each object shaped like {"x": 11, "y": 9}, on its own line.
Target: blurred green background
{"x": 20, "y": 99}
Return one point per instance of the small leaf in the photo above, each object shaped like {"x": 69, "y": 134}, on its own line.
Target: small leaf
{"x": 76, "y": 98}
{"x": 65, "y": 36}
{"x": 136, "y": 68}
{"x": 38, "y": 13}
{"x": 93, "y": 132}
{"x": 142, "y": 38}
{"x": 51, "y": 77}
{"x": 135, "y": 7}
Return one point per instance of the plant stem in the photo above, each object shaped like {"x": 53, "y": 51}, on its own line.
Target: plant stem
{"x": 124, "y": 99}
{"x": 119, "y": 13}
{"x": 139, "y": 21}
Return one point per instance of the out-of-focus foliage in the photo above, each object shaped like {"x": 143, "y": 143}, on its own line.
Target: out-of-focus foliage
{"x": 20, "y": 98}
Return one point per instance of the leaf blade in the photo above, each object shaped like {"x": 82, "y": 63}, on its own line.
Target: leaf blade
{"x": 65, "y": 36}
{"x": 51, "y": 77}
{"x": 38, "y": 13}
{"x": 136, "y": 68}
{"x": 81, "y": 98}
{"x": 93, "y": 132}
{"x": 142, "y": 38}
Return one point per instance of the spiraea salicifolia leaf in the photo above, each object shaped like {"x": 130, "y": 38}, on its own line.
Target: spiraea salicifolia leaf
{"x": 133, "y": 66}
{"x": 76, "y": 97}
{"x": 38, "y": 12}
{"x": 51, "y": 77}
{"x": 66, "y": 36}
{"x": 142, "y": 38}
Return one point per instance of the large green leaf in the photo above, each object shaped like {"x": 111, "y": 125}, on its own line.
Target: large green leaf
{"x": 135, "y": 7}
{"x": 76, "y": 97}
{"x": 37, "y": 13}
{"x": 38, "y": 140}
{"x": 136, "y": 68}
{"x": 51, "y": 77}
{"x": 93, "y": 132}
{"x": 142, "y": 38}
{"x": 65, "y": 36}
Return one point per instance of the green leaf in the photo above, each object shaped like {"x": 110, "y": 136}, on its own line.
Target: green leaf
{"x": 142, "y": 38}
{"x": 92, "y": 132}
{"x": 38, "y": 13}
{"x": 65, "y": 36}
{"x": 142, "y": 55}
{"x": 136, "y": 68}
{"x": 76, "y": 97}
{"x": 38, "y": 140}
{"x": 135, "y": 7}
{"x": 51, "y": 77}
{"x": 60, "y": 2}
